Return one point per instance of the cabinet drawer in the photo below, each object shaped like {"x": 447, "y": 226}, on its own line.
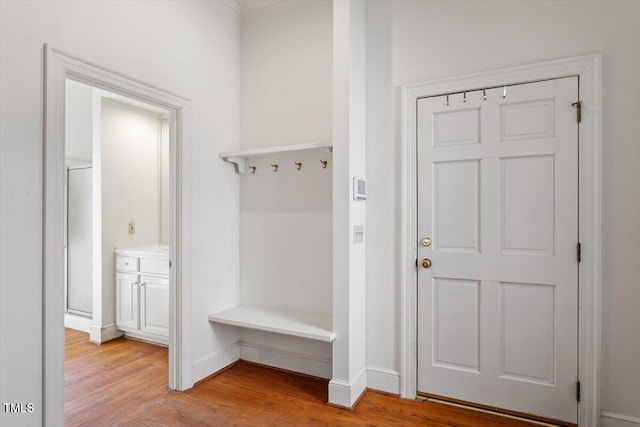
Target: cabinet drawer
{"x": 154, "y": 266}
{"x": 126, "y": 263}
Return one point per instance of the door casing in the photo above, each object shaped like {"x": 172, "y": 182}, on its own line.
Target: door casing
{"x": 588, "y": 69}
{"x": 58, "y": 66}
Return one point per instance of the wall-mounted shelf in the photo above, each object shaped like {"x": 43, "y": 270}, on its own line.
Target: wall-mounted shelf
{"x": 282, "y": 322}
{"x": 239, "y": 158}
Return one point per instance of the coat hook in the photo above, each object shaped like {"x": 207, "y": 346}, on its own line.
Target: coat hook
{"x": 298, "y": 165}
{"x": 275, "y": 167}
{"x": 464, "y": 97}
{"x": 252, "y": 169}
{"x": 484, "y": 94}
{"x": 504, "y": 92}
{"x": 324, "y": 164}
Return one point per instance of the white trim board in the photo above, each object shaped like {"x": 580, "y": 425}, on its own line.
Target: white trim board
{"x": 78, "y": 323}
{"x": 613, "y": 419}
{"x": 103, "y": 333}
{"x": 382, "y": 379}
{"x": 588, "y": 68}
{"x": 291, "y": 361}
{"x": 59, "y": 66}
{"x": 348, "y": 391}
{"x": 316, "y": 366}
{"x": 212, "y": 363}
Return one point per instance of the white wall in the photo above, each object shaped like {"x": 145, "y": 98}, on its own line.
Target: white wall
{"x": 164, "y": 180}
{"x": 286, "y": 74}
{"x": 383, "y": 200}
{"x": 349, "y": 137}
{"x": 421, "y": 40}
{"x": 285, "y": 243}
{"x": 285, "y": 217}
{"x": 78, "y": 122}
{"x": 130, "y": 156}
{"x": 187, "y": 47}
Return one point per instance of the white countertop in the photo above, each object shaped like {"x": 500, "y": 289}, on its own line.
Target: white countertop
{"x": 158, "y": 251}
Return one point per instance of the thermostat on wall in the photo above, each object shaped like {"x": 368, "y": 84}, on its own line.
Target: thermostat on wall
{"x": 359, "y": 188}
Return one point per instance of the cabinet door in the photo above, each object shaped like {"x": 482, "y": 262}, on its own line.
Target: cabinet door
{"x": 127, "y": 301}
{"x": 154, "y": 305}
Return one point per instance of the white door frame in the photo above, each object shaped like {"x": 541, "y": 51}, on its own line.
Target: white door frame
{"x": 59, "y": 66}
{"x": 588, "y": 69}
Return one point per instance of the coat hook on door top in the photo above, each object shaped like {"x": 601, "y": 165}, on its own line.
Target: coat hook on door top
{"x": 252, "y": 169}
{"x": 324, "y": 164}
{"x": 275, "y": 167}
{"x": 298, "y": 165}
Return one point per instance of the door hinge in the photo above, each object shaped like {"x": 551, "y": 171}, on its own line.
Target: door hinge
{"x": 578, "y": 106}
{"x": 578, "y": 391}
{"x": 416, "y": 263}
{"x": 579, "y": 252}
{"x": 170, "y": 264}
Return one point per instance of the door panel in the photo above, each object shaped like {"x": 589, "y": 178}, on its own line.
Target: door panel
{"x": 528, "y": 192}
{"x": 456, "y": 127}
{"x": 154, "y": 306}
{"x": 520, "y": 302}
{"x": 79, "y": 241}
{"x": 455, "y": 312}
{"x": 127, "y": 294}
{"x": 497, "y": 194}
{"x": 456, "y": 219}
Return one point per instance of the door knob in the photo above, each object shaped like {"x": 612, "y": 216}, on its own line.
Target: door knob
{"x": 426, "y": 263}
{"x": 426, "y": 241}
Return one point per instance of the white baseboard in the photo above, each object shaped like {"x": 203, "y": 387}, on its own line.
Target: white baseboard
{"x": 148, "y": 338}
{"x": 612, "y": 419}
{"x": 212, "y": 363}
{"x": 383, "y": 379}
{"x": 99, "y": 334}
{"x": 78, "y": 323}
{"x": 346, "y": 394}
{"x": 283, "y": 359}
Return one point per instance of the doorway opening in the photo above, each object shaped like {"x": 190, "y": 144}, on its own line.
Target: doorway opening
{"x": 117, "y": 198}
{"x": 117, "y": 192}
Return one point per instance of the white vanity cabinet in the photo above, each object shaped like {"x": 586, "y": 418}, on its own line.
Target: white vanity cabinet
{"x": 142, "y": 293}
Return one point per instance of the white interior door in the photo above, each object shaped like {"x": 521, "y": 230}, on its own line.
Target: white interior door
{"x": 498, "y": 197}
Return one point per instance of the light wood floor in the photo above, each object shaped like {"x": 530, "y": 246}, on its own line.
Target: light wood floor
{"x": 124, "y": 383}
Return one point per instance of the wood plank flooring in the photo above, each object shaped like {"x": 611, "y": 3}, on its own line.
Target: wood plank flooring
{"x": 124, "y": 383}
